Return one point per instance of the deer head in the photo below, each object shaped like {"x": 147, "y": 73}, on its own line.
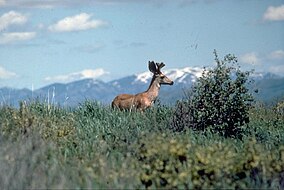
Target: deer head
{"x": 158, "y": 76}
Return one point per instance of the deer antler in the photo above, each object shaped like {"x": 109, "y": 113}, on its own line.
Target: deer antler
{"x": 160, "y": 66}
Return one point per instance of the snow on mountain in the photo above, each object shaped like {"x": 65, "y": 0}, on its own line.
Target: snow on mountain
{"x": 143, "y": 77}
{"x": 189, "y": 75}
{"x": 183, "y": 75}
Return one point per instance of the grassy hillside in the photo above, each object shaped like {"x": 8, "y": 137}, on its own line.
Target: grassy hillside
{"x": 93, "y": 146}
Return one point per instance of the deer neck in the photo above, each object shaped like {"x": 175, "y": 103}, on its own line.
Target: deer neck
{"x": 153, "y": 90}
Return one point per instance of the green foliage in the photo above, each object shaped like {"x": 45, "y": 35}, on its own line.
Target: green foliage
{"x": 220, "y": 100}
{"x": 180, "y": 163}
{"x": 94, "y": 147}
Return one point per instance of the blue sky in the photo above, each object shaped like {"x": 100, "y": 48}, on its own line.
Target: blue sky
{"x": 42, "y": 42}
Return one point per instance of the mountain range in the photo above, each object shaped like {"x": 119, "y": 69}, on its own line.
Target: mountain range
{"x": 269, "y": 86}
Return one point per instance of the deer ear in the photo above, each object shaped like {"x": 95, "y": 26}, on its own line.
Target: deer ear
{"x": 152, "y": 67}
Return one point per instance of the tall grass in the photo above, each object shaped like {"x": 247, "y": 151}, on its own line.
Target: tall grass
{"x": 93, "y": 146}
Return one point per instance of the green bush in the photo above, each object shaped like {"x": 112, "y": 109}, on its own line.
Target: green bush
{"x": 220, "y": 100}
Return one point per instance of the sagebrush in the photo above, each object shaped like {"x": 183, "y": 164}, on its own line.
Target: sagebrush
{"x": 220, "y": 100}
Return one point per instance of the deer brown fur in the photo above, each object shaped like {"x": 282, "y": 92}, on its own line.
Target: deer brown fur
{"x": 143, "y": 100}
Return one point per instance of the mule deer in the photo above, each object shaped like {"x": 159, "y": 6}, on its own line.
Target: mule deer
{"x": 143, "y": 100}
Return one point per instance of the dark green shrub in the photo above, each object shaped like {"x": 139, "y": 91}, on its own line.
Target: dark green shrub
{"x": 219, "y": 100}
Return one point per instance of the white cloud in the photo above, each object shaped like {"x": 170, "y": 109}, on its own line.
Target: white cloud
{"x": 47, "y": 4}
{"x": 76, "y": 23}
{"x": 278, "y": 54}
{"x": 12, "y": 18}
{"x": 6, "y": 38}
{"x": 250, "y": 58}
{"x": 274, "y": 13}
{"x": 4, "y": 74}
{"x": 85, "y": 74}
{"x": 33, "y": 3}
{"x": 2, "y": 3}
